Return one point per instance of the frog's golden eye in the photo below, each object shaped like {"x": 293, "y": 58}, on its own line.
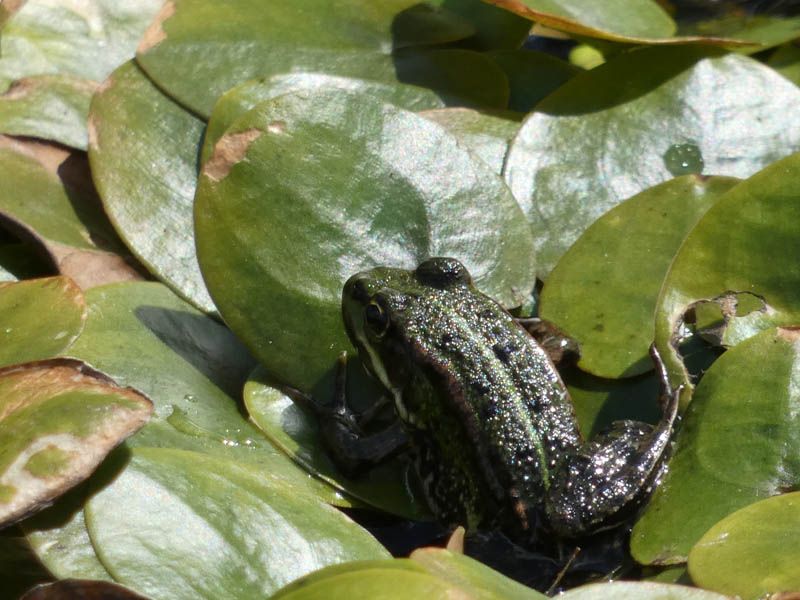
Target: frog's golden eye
{"x": 376, "y": 317}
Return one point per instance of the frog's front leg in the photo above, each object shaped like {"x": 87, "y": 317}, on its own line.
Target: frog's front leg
{"x": 351, "y": 449}
{"x": 562, "y": 349}
{"x": 606, "y": 481}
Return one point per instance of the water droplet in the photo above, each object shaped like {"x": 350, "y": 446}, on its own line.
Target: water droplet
{"x": 9, "y": 329}
{"x": 190, "y": 398}
{"x": 684, "y": 159}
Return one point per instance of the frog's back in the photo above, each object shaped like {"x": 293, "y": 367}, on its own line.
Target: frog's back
{"x": 500, "y": 385}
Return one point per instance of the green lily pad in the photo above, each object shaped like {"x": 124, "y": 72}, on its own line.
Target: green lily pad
{"x": 532, "y": 76}
{"x": 51, "y": 107}
{"x": 197, "y": 526}
{"x": 296, "y": 433}
{"x": 737, "y": 444}
{"x": 486, "y": 134}
{"x": 39, "y": 318}
{"x": 59, "y": 538}
{"x": 198, "y": 50}
{"x": 88, "y": 39}
{"x": 275, "y": 249}
{"x": 632, "y": 590}
{"x": 385, "y": 580}
{"x": 624, "y": 21}
{"x": 603, "y": 291}
{"x": 193, "y": 369}
{"x": 764, "y": 30}
{"x": 238, "y": 100}
{"x": 786, "y": 61}
{"x": 591, "y": 144}
{"x": 752, "y": 553}
{"x": 147, "y": 180}
{"x": 60, "y": 419}
{"x": 473, "y": 576}
{"x": 729, "y": 259}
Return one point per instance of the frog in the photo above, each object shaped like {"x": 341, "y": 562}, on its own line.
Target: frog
{"x": 483, "y": 413}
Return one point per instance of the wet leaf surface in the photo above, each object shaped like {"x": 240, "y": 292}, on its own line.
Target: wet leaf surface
{"x": 181, "y": 524}
{"x": 722, "y": 559}
{"x": 532, "y": 76}
{"x": 603, "y": 291}
{"x": 683, "y": 110}
{"x": 737, "y": 444}
{"x": 271, "y": 244}
{"x": 147, "y": 180}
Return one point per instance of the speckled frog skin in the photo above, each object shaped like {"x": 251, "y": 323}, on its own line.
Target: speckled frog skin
{"x": 490, "y": 423}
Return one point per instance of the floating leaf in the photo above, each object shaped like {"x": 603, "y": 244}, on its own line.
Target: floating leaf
{"x": 87, "y": 39}
{"x": 592, "y": 143}
{"x": 737, "y": 444}
{"x": 271, "y": 243}
{"x": 486, "y": 134}
{"x": 238, "y": 100}
{"x": 296, "y": 434}
{"x": 532, "y": 76}
{"x": 198, "y": 50}
{"x": 147, "y": 180}
{"x": 39, "y": 318}
{"x": 753, "y": 552}
{"x": 181, "y": 524}
{"x": 472, "y": 576}
{"x": 603, "y": 291}
{"x": 66, "y": 219}
{"x": 764, "y": 31}
{"x": 60, "y": 419}
{"x": 729, "y": 260}
{"x": 631, "y": 590}
{"x": 624, "y": 21}
{"x": 495, "y": 28}
{"x": 51, "y": 107}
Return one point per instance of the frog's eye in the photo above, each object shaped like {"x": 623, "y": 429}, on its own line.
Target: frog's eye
{"x": 376, "y": 317}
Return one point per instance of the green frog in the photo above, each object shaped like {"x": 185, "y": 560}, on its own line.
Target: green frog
{"x": 487, "y": 418}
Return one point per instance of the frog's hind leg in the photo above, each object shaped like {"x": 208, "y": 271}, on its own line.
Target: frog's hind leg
{"x": 603, "y": 483}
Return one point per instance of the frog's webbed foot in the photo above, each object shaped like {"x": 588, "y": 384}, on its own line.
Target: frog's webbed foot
{"x": 562, "y": 349}
{"x": 611, "y": 476}
{"x": 351, "y": 449}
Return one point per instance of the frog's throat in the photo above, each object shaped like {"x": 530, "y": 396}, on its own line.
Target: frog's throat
{"x": 376, "y": 368}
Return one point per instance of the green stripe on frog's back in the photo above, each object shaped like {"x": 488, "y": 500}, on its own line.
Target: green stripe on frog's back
{"x": 503, "y": 386}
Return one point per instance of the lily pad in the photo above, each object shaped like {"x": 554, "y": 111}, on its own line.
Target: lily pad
{"x": 624, "y": 21}
{"x": 88, "y": 39}
{"x": 147, "y": 180}
{"x": 590, "y": 144}
{"x": 39, "y": 318}
{"x": 60, "y": 419}
{"x": 486, "y": 134}
{"x": 271, "y": 244}
{"x": 198, "y": 50}
{"x": 83, "y": 589}
{"x": 193, "y": 369}
{"x": 532, "y": 76}
{"x": 181, "y": 524}
{"x": 295, "y": 433}
{"x": 238, "y": 100}
{"x": 737, "y": 444}
{"x": 723, "y": 558}
{"x": 495, "y": 28}
{"x": 51, "y": 107}
{"x": 764, "y": 30}
{"x": 469, "y": 574}
{"x": 67, "y": 220}
{"x": 603, "y": 291}
{"x": 729, "y": 259}
{"x": 632, "y": 590}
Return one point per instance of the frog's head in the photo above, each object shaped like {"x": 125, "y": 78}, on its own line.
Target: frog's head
{"x": 377, "y": 305}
